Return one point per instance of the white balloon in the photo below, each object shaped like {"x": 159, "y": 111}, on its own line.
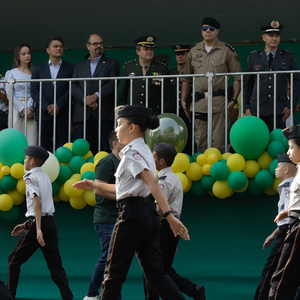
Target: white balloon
{"x": 51, "y": 167}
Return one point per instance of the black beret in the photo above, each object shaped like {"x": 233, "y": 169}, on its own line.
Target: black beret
{"x": 164, "y": 58}
{"x": 132, "y": 111}
{"x": 211, "y": 22}
{"x": 146, "y": 41}
{"x": 284, "y": 158}
{"x": 167, "y": 150}
{"x": 179, "y": 48}
{"x": 292, "y": 132}
{"x": 37, "y": 151}
{"x": 273, "y": 26}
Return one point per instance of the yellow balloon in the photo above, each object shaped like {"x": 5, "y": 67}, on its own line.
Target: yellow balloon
{"x": 181, "y": 163}
{"x": 270, "y": 191}
{"x": 62, "y": 195}
{"x": 78, "y": 202}
{"x": 213, "y": 150}
{"x": 221, "y": 189}
{"x": 17, "y": 170}
{"x": 99, "y": 156}
{"x": 6, "y": 202}
{"x": 206, "y": 169}
{"x": 76, "y": 176}
{"x": 70, "y": 190}
{"x": 201, "y": 159}
{"x": 89, "y": 197}
{"x": 212, "y": 158}
{"x": 235, "y": 162}
{"x": 17, "y": 197}
{"x": 87, "y": 167}
{"x": 56, "y": 198}
{"x": 68, "y": 145}
{"x": 194, "y": 171}
{"x": 21, "y": 186}
{"x": 1, "y": 165}
{"x": 275, "y": 184}
{"x": 184, "y": 180}
{"x": 5, "y": 170}
{"x": 264, "y": 160}
{"x": 251, "y": 168}
{"x": 188, "y": 186}
{"x": 88, "y": 155}
{"x": 226, "y": 155}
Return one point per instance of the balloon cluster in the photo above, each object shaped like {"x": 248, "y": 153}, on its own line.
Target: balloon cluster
{"x": 251, "y": 170}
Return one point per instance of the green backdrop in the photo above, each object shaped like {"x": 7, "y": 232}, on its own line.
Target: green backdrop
{"x": 224, "y": 254}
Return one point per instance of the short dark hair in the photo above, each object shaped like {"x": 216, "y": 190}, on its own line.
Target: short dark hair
{"x": 112, "y": 137}
{"x": 54, "y": 38}
{"x": 169, "y": 160}
{"x": 38, "y": 161}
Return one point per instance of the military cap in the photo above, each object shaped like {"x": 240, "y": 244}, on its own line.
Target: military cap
{"x": 284, "y": 158}
{"x": 164, "y": 58}
{"x": 165, "y": 149}
{"x": 181, "y": 48}
{"x": 132, "y": 111}
{"x": 273, "y": 26}
{"x": 37, "y": 151}
{"x": 211, "y": 21}
{"x": 146, "y": 41}
{"x": 292, "y": 132}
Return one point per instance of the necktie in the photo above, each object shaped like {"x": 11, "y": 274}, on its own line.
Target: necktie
{"x": 145, "y": 70}
{"x": 270, "y": 60}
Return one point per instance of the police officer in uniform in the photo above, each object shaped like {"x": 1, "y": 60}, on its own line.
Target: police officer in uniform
{"x": 145, "y": 65}
{"x": 214, "y": 56}
{"x": 271, "y": 58}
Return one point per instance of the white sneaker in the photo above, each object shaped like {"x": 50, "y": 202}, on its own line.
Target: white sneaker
{"x": 90, "y": 298}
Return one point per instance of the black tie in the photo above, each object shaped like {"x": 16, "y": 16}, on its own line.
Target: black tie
{"x": 270, "y": 60}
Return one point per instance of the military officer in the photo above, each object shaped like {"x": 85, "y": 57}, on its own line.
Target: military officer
{"x": 145, "y": 65}
{"x": 271, "y": 58}
{"x": 210, "y": 55}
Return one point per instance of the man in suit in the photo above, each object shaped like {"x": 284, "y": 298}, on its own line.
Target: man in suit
{"x": 145, "y": 65}
{"x": 97, "y": 65}
{"x": 271, "y": 58}
{"x": 55, "y": 96}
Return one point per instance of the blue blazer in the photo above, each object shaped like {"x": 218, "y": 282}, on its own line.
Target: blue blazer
{"x": 42, "y": 71}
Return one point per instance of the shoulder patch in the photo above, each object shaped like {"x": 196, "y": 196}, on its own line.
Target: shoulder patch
{"x": 136, "y": 156}
{"x": 230, "y": 47}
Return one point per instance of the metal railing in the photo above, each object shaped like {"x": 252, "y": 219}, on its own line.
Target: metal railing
{"x": 162, "y": 78}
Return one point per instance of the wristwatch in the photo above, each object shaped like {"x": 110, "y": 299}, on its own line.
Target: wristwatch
{"x": 234, "y": 100}
{"x": 167, "y": 213}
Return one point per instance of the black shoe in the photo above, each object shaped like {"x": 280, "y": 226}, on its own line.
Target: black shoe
{"x": 199, "y": 293}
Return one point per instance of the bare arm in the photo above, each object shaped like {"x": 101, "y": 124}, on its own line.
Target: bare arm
{"x": 177, "y": 227}
{"x": 38, "y": 219}
{"x": 284, "y": 214}
{"x": 106, "y": 195}
{"x": 269, "y": 240}
{"x": 98, "y": 187}
{"x": 185, "y": 88}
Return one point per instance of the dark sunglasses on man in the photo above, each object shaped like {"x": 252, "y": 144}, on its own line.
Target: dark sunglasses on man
{"x": 211, "y": 28}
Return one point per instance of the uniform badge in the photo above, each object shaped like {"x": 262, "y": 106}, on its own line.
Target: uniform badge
{"x": 275, "y": 24}
{"x": 132, "y": 74}
{"x": 27, "y": 181}
{"x": 149, "y": 39}
{"x": 199, "y": 55}
{"x": 287, "y": 195}
{"x": 162, "y": 186}
{"x": 198, "y": 60}
{"x": 137, "y": 156}
{"x": 236, "y": 58}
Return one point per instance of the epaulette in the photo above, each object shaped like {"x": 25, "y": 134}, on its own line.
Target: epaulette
{"x": 162, "y": 177}
{"x": 254, "y": 51}
{"x": 286, "y": 184}
{"x": 193, "y": 45}
{"x": 230, "y": 47}
{"x": 27, "y": 174}
{"x": 286, "y": 51}
{"x": 130, "y": 61}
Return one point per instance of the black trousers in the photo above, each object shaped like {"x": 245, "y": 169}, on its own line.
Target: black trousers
{"x": 137, "y": 232}
{"x": 286, "y": 278}
{"x": 27, "y": 245}
{"x": 263, "y": 288}
{"x": 4, "y": 292}
{"x": 168, "y": 247}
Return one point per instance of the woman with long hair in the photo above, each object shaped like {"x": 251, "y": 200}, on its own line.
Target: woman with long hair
{"x": 23, "y": 105}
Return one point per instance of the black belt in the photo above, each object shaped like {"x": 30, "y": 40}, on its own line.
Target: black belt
{"x": 31, "y": 218}
{"x": 201, "y": 116}
{"x": 199, "y": 96}
{"x": 294, "y": 214}
{"x": 131, "y": 200}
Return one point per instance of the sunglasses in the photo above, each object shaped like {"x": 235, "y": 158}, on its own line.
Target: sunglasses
{"x": 211, "y": 28}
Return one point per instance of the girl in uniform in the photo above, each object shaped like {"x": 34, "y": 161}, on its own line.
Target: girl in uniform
{"x": 137, "y": 228}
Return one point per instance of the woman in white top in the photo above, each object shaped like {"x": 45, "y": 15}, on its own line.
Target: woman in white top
{"x": 23, "y": 105}
{"x": 137, "y": 228}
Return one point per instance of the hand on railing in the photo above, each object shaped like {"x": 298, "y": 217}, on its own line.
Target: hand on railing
{"x": 248, "y": 112}
{"x": 286, "y": 113}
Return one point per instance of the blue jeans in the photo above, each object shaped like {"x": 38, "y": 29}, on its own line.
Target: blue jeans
{"x": 104, "y": 231}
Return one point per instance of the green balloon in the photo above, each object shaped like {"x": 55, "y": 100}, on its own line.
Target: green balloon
{"x": 276, "y": 135}
{"x": 207, "y": 182}
{"x": 219, "y": 171}
{"x": 76, "y": 163}
{"x": 285, "y": 143}
{"x": 249, "y": 136}
{"x": 11, "y": 215}
{"x": 273, "y": 166}
{"x": 81, "y": 147}
{"x": 63, "y": 154}
{"x": 275, "y": 148}
{"x": 8, "y": 183}
{"x": 88, "y": 175}
{"x": 55, "y": 188}
{"x": 253, "y": 188}
{"x": 264, "y": 179}
{"x": 197, "y": 189}
{"x": 171, "y": 130}
{"x": 64, "y": 174}
{"x": 90, "y": 159}
{"x": 194, "y": 157}
{"x": 12, "y": 146}
{"x": 237, "y": 180}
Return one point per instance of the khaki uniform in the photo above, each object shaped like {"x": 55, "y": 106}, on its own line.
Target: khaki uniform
{"x": 222, "y": 58}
